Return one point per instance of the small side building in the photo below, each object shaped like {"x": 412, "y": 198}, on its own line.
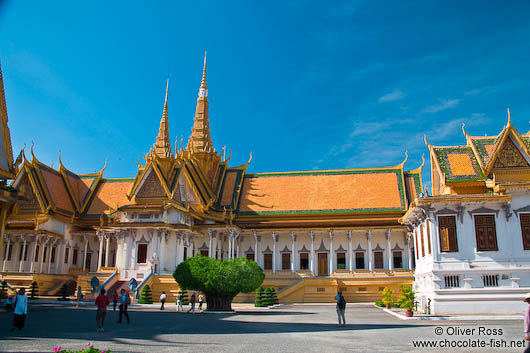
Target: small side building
{"x": 472, "y": 236}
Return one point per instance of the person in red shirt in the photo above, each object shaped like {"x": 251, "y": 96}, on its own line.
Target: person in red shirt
{"x": 101, "y": 301}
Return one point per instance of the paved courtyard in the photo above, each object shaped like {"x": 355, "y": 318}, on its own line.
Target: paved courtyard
{"x": 289, "y": 328}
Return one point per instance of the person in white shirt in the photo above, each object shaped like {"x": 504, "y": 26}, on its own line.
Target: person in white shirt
{"x": 201, "y": 301}
{"x": 21, "y": 310}
{"x": 179, "y": 302}
{"x": 163, "y": 297}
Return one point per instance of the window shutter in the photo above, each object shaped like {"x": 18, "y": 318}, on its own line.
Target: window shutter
{"x": 525, "y": 230}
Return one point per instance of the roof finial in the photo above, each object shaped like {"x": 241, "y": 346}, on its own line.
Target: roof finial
{"x": 164, "y": 112}
{"x": 509, "y": 116}
{"x": 203, "y": 82}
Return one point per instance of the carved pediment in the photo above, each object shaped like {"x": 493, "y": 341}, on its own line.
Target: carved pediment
{"x": 151, "y": 188}
{"x": 509, "y": 156}
{"x": 29, "y": 201}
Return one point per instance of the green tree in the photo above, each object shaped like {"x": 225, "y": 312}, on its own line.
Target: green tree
{"x": 407, "y": 298}
{"x": 145, "y": 297}
{"x": 33, "y": 290}
{"x": 220, "y": 280}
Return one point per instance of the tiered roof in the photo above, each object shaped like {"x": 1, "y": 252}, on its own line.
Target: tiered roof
{"x": 198, "y": 181}
{"x": 485, "y": 161}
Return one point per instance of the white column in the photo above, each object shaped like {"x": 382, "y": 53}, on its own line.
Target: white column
{"x": 216, "y": 238}
{"x": 32, "y": 258}
{"x": 43, "y": 248}
{"x": 59, "y": 256}
{"x": 180, "y": 241}
{"x": 293, "y": 239}
{"x": 312, "y": 237}
{"x": 163, "y": 249}
{"x": 255, "y": 247}
{"x": 238, "y": 249}
{"x": 100, "y": 253}
{"x": 369, "y": 250}
{"x": 210, "y": 243}
{"x": 21, "y": 265}
{"x": 50, "y": 250}
{"x": 389, "y": 251}
{"x": 435, "y": 238}
{"x": 6, "y": 254}
{"x": 274, "y": 239}
{"x": 84, "y": 254}
{"x": 119, "y": 250}
{"x": 350, "y": 252}
{"x": 409, "y": 252}
{"x": 330, "y": 252}
{"x": 230, "y": 244}
{"x": 107, "y": 250}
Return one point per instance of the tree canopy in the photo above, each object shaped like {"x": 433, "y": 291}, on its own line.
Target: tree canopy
{"x": 220, "y": 280}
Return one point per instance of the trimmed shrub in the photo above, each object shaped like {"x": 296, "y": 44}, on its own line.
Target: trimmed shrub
{"x": 3, "y": 290}
{"x": 145, "y": 297}
{"x": 63, "y": 292}
{"x": 33, "y": 290}
{"x": 269, "y": 297}
{"x": 258, "y": 298}
{"x": 379, "y": 304}
{"x": 185, "y": 300}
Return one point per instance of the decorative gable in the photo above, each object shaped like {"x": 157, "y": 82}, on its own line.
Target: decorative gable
{"x": 151, "y": 188}
{"x": 29, "y": 202}
{"x": 509, "y": 156}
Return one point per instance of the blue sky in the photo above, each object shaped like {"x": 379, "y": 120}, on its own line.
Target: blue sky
{"x": 302, "y": 85}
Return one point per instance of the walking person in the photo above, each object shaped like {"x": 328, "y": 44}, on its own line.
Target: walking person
{"x": 341, "y": 308}
{"x": 179, "y": 302}
{"x": 201, "y": 301}
{"x": 20, "y": 310}
{"x": 125, "y": 300}
{"x": 192, "y": 303}
{"x": 102, "y": 301}
{"x": 527, "y": 321}
{"x": 163, "y": 297}
{"x": 115, "y": 299}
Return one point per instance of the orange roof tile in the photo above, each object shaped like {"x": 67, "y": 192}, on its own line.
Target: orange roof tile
{"x": 56, "y": 188}
{"x": 111, "y": 194}
{"x": 323, "y": 192}
{"x": 460, "y": 164}
{"x": 228, "y": 188}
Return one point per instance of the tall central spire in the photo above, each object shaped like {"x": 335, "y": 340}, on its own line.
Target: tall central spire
{"x": 200, "y": 139}
{"x": 162, "y": 146}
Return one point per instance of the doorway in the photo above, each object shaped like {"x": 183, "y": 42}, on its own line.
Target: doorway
{"x": 322, "y": 264}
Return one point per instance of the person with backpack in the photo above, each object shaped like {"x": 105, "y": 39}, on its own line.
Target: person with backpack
{"x": 341, "y": 308}
{"x": 192, "y": 303}
{"x": 163, "y": 297}
{"x": 20, "y": 310}
{"x": 125, "y": 300}
{"x": 179, "y": 302}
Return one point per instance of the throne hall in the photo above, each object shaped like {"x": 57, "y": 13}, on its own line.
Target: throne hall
{"x": 313, "y": 232}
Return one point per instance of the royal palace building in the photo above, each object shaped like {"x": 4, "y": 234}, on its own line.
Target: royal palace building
{"x": 313, "y": 232}
{"x": 472, "y": 235}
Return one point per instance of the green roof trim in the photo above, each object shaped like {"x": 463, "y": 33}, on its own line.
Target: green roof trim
{"x": 324, "y": 172}
{"x": 441, "y": 154}
{"x": 117, "y": 180}
{"x": 479, "y": 145}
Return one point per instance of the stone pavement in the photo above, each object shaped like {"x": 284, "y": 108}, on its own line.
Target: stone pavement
{"x": 289, "y": 328}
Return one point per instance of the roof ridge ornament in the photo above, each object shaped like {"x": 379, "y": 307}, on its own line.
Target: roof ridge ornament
{"x": 509, "y": 116}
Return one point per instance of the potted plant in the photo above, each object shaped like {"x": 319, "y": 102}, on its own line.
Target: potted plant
{"x": 406, "y": 300}
{"x": 387, "y": 297}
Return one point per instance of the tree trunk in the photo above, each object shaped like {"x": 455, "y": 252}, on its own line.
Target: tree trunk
{"x": 215, "y": 302}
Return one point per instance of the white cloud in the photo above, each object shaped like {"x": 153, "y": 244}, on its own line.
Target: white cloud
{"x": 443, "y": 105}
{"x": 391, "y": 97}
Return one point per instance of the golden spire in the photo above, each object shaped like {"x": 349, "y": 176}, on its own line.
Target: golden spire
{"x": 509, "y": 117}
{"x": 203, "y": 81}
{"x": 162, "y": 146}
{"x": 200, "y": 139}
